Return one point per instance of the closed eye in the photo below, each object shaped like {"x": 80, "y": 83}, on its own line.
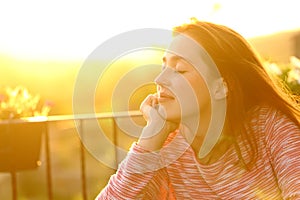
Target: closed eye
{"x": 180, "y": 71}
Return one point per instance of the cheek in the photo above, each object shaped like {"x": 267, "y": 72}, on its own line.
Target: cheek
{"x": 187, "y": 98}
{"x": 202, "y": 94}
{"x": 200, "y": 90}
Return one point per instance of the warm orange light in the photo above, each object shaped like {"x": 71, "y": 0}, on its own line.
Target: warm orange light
{"x": 34, "y": 31}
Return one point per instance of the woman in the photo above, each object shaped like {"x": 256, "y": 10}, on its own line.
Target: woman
{"x": 182, "y": 155}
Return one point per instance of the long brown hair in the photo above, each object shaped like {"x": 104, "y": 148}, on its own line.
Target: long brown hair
{"x": 248, "y": 82}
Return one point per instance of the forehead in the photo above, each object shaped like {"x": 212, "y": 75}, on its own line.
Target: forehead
{"x": 184, "y": 47}
{"x": 188, "y": 49}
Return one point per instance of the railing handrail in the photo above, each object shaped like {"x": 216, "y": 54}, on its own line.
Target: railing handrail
{"x": 75, "y": 117}
{"x": 53, "y": 118}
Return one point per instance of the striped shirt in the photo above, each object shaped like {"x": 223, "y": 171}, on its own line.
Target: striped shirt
{"x": 175, "y": 173}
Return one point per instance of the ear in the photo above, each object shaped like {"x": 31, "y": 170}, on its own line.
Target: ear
{"x": 220, "y": 89}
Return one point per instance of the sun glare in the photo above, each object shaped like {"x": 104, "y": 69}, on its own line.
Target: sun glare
{"x": 68, "y": 29}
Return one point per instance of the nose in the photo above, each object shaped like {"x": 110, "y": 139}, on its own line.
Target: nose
{"x": 163, "y": 79}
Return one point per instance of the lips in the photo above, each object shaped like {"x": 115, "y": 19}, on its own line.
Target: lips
{"x": 163, "y": 96}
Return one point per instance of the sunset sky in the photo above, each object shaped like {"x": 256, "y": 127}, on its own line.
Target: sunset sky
{"x": 72, "y": 29}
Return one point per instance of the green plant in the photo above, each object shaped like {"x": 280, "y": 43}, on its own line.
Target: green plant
{"x": 18, "y": 102}
{"x": 288, "y": 74}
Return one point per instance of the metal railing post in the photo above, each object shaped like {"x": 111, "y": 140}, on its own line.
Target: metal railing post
{"x": 47, "y": 142}
{"x": 48, "y": 163}
{"x": 82, "y": 162}
{"x": 115, "y": 142}
{"x": 14, "y": 185}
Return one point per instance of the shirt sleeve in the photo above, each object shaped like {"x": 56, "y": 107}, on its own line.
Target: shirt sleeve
{"x": 283, "y": 140}
{"x": 140, "y": 176}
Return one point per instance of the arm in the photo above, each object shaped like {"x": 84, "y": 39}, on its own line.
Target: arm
{"x": 139, "y": 176}
{"x": 142, "y": 174}
{"x": 283, "y": 140}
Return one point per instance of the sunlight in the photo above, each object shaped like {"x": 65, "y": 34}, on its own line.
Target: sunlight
{"x": 256, "y": 18}
{"x": 36, "y": 119}
{"x": 71, "y": 30}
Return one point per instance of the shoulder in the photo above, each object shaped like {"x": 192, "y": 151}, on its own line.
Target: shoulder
{"x": 269, "y": 118}
{"x": 273, "y": 124}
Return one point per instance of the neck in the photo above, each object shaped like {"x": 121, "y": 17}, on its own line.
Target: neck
{"x": 194, "y": 128}
{"x": 196, "y": 138}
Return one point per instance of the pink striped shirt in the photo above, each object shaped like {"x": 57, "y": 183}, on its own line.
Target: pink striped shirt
{"x": 165, "y": 175}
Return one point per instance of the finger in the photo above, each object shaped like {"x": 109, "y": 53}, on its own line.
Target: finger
{"x": 149, "y": 100}
{"x": 155, "y": 100}
{"x": 146, "y": 101}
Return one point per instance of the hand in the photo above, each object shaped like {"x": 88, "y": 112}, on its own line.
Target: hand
{"x": 149, "y": 108}
{"x": 158, "y": 128}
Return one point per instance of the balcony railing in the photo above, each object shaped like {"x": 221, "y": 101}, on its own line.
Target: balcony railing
{"x": 48, "y": 153}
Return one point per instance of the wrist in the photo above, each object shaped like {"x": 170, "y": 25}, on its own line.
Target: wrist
{"x": 152, "y": 138}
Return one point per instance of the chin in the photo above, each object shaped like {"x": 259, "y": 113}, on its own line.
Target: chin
{"x": 169, "y": 112}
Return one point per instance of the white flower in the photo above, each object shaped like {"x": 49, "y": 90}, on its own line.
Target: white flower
{"x": 273, "y": 69}
{"x": 295, "y": 62}
{"x": 294, "y": 75}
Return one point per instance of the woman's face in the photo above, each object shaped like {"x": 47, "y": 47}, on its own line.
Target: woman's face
{"x": 182, "y": 92}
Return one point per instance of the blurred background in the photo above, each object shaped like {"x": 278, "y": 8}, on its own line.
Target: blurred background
{"x": 43, "y": 45}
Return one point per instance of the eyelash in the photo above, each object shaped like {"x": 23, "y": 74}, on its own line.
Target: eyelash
{"x": 175, "y": 70}
{"x": 180, "y": 71}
